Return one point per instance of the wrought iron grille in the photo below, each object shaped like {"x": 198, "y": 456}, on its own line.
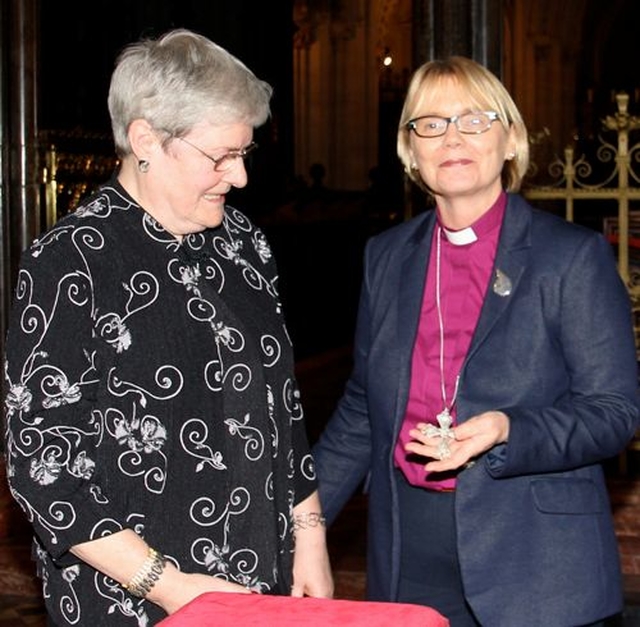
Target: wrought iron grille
{"x": 602, "y": 179}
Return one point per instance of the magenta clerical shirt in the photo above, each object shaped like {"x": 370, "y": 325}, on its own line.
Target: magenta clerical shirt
{"x": 465, "y": 270}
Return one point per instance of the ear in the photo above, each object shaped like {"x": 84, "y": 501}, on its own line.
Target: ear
{"x": 511, "y": 144}
{"x": 143, "y": 139}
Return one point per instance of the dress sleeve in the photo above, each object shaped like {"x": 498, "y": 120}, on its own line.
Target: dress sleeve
{"x": 53, "y": 428}
{"x": 305, "y": 481}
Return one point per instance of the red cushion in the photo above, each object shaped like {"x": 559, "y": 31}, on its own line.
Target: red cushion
{"x": 242, "y": 610}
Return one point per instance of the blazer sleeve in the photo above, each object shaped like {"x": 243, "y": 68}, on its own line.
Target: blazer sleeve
{"x": 587, "y": 322}
{"x": 343, "y": 452}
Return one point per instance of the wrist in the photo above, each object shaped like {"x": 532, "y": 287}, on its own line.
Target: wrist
{"x": 308, "y": 520}
{"x": 147, "y": 575}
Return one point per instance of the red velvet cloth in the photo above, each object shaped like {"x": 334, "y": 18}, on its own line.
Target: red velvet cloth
{"x": 224, "y": 609}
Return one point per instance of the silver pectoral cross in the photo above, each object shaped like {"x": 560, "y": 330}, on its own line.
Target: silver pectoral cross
{"x": 443, "y": 431}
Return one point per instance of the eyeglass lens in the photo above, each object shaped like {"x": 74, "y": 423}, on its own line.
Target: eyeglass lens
{"x": 470, "y": 123}
{"x": 226, "y": 161}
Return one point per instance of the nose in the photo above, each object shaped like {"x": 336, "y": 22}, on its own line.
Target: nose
{"x": 452, "y": 134}
{"x": 236, "y": 175}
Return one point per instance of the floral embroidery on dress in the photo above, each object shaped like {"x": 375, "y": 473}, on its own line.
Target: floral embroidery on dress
{"x": 132, "y": 357}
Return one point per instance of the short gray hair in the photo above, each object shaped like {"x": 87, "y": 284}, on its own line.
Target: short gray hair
{"x": 179, "y": 80}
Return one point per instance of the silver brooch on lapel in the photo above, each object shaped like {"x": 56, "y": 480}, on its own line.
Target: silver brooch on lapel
{"x": 501, "y": 283}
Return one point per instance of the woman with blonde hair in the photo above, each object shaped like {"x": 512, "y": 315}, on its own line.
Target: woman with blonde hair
{"x": 494, "y": 372}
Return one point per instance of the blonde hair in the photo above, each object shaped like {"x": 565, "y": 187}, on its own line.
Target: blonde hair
{"x": 487, "y": 93}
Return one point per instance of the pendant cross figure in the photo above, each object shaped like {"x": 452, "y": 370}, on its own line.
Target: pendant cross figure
{"x": 444, "y": 432}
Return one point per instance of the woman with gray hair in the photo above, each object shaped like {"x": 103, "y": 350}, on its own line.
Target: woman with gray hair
{"x": 494, "y": 372}
{"x": 155, "y": 437}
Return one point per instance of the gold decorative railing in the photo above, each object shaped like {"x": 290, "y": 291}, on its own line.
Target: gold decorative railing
{"x": 577, "y": 179}
{"x": 73, "y": 165}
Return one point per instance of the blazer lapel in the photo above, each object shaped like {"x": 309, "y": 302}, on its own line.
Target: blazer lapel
{"x": 512, "y": 257}
{"x": 412, "y": 278}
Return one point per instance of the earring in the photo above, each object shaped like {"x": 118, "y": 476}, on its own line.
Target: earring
{"x": 414, "y": 165}
{"x": 143, "y": 166}
{"x": 511, "y": 155}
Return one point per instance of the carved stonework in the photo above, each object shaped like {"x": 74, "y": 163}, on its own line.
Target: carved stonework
{"x": 306, "y": 23}
{"x": 342, "y": 18}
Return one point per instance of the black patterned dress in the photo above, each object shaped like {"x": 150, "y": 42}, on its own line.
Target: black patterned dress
{"x": 151, "y": 386}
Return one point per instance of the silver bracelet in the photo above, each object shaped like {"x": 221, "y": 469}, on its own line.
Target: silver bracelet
{"x": 149, "y": 573}
{"x": 308, "y": 519}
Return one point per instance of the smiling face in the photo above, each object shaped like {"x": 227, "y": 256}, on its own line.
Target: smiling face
{"x": 461, "y": 170}
{"x": 195, "y": 192}
{"x": 182, "y": 189}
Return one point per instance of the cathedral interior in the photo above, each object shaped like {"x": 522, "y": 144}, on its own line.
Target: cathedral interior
{"x": 327, "y": 174}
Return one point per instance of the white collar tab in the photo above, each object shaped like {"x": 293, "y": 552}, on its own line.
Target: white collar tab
{"x": 461, "y": 237}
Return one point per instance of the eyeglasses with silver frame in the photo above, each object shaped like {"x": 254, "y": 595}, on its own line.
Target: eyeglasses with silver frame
{"x": 472, "y": 123}
{"x": 224, "y": 162}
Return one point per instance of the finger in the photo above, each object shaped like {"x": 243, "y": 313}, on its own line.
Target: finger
{"x": 296, "y": 591}
{"x": 423, "y": 450}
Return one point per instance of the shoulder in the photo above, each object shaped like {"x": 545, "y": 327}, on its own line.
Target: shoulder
{"x": 555, "y": 243}
{"x": 549, "y": 228}
{"x": 95, "y": 210}
{"x": 94, "y": 226}
{"x": 410, "y": 231}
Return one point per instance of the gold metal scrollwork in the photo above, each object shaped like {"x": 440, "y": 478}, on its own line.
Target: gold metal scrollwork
{"x": 75, "y": 163}
{"x": 573, "y": 180}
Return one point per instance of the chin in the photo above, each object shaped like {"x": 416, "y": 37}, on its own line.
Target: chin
{"x": 212, "y": 217}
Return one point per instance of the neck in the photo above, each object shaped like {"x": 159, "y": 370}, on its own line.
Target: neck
{"x": 459, "y": 212}
{"x": 129, "y": 178}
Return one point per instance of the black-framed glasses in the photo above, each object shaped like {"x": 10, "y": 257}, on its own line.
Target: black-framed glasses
{"x": 225, "y": 162}
{"x": 472, "y": 123}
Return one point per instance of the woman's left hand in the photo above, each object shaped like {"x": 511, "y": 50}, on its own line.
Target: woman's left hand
{"x": 311, "y": 567}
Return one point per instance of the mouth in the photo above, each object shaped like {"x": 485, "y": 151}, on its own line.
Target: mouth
{"x": 214, "y": 197}
{"x": 455, "y": 162}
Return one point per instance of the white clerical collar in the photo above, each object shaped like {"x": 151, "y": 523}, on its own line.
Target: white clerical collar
{"x": 461, "y": 237}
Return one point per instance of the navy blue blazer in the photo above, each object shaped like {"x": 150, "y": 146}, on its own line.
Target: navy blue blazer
{"x": 535, "y": 530}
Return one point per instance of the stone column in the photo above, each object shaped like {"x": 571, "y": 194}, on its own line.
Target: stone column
{"x": 471, "y": 28}
{"x": 20, "y": 187}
